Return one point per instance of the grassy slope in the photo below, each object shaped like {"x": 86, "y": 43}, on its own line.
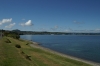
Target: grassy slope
{"x": 12, "y": 56}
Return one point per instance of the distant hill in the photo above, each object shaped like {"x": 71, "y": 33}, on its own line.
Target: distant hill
{"x": 48, "y": 33}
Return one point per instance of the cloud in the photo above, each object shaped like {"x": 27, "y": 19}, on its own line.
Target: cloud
{"x": 87, "y": 31}
{"x": 55, "y": 28}
{"x": 43, "y": 29}
{"x": 69, "y": 30}
{"x": 22, "y": 24}
{"x": 97, "y": 29}
{"x": 0, "y": 23}
{"x": 28, "y": 23}
{"x": 10, "y": 25}
{"x": 76, "y": 22}
{"x": 5, "y": 21}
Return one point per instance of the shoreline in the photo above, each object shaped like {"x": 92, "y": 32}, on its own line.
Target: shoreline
{"x": 37, "y": 45}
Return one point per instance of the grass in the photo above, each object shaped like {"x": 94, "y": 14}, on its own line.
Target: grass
{"x": 12, "y": 56}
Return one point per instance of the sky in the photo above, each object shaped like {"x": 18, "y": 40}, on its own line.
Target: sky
{"x": 50, "y": 15}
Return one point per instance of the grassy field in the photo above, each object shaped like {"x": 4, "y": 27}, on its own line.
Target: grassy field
{"x": 28, "y": 56}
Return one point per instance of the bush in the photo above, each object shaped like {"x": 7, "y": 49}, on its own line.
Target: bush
{"x": 18, "y": 46}
{"x": 27, "y": 43}
{"x": 14, "y": 36}
{"x": 17, "y": 36}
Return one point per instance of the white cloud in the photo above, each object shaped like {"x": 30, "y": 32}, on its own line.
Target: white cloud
{"x": 28, "y": 23}
{"x": 10, "y": 25}
{"x": 0, "y": 23}
{"x": 97, "y": 29}
{"x": 5, "y": 21}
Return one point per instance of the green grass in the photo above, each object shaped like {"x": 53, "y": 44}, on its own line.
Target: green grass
{"x": 12, "y": 56}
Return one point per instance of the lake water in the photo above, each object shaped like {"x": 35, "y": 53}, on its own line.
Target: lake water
{"x": 85, "y": 47}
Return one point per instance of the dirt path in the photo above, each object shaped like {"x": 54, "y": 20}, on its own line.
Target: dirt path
{"x": 35, "y": 45}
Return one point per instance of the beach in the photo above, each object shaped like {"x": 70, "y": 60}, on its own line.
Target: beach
{"x": 37, "y": 45}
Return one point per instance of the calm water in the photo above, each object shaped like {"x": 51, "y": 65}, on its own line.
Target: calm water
{"x": 85, "y": 47}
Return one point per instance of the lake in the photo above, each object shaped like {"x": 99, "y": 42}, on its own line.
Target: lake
{"x": 85, "y": 47}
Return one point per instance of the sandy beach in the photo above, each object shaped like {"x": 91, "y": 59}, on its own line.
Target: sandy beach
{"x": 36, "y": 45}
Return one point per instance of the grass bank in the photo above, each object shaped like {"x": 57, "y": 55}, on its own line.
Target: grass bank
{"x": 25, "y": 55}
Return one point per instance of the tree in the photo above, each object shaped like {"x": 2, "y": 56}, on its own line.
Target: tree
{"x": 12, "y": 34}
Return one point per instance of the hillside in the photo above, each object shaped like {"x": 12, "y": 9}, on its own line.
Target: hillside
{"x": 14, "y": 52}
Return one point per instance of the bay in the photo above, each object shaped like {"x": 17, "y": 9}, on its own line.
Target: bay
{"x": 85, "y": 47}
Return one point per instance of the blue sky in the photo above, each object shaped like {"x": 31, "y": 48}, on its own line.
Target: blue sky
{"x": 50, "y": 15}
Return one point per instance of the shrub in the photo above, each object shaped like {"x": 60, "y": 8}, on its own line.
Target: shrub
{"x": 18, "y": 46}
{"x": 22, "y": 52}
{"x": 27, "y": 43}
{"x": 17, "y": 36}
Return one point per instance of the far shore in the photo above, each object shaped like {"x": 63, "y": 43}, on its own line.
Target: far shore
{"x": 37, "y": 45}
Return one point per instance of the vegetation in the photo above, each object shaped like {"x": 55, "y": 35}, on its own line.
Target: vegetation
{"x": 28, "y": 56}
{"x": 18, "y": 46}
{"x": 11, "y": 34}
